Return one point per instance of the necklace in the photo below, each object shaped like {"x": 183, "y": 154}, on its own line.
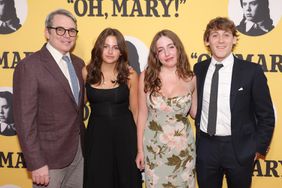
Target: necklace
{"x": 111, "y": 81}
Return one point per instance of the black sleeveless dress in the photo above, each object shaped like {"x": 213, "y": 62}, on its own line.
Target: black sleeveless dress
{"x": 111, "y": 143}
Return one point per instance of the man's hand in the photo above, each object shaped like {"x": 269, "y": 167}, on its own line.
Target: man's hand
{"x": 41, "y": 176}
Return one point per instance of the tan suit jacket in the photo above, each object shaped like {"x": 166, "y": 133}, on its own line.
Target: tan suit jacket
{"x": 47, "y": 118}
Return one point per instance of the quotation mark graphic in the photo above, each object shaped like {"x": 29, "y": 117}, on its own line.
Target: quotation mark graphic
{"x": 194, "y": 55}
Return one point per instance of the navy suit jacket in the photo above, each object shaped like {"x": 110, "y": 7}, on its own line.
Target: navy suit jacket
{"x": 252, "y": 114}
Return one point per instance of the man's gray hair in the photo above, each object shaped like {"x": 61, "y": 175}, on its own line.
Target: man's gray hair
{"x": 50, "y": 17}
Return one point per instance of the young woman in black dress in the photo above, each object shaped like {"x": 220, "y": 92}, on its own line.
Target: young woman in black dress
{"x": 111, "y": 89}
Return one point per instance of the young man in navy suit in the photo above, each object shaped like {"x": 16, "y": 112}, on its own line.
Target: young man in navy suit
{"x": 236, "y": 129}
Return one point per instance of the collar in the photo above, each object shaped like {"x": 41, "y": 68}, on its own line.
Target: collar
{"x": 249, "y": 25}
{"x": 3, "y": 126}
{"x": 262, "y": 26}
{"x": 228, "y": 61}
{"x": 55, "y": 53}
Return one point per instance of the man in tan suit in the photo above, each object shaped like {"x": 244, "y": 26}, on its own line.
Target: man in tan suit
{"x": 48, "y": 106}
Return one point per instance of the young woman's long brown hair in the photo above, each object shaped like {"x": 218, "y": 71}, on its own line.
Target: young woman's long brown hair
{"x": 152, "y": 82}
{"x": 95, "y": 75}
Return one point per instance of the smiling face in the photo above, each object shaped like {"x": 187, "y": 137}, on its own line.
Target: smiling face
{"x": 62, "y": 43}
{"x": 166, "y": 51}
{"x": 250, "y": 9}
{"x": 111, "y": 51}
{"x": 221, "y": 43}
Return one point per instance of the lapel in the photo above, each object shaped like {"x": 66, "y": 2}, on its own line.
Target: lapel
{"x": 201, "y": 79}
{"x": 236, "y": 80}
{"x": 52, "y": 67}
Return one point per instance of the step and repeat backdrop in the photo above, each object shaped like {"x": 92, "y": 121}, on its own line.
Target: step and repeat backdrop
{"x": 138, "y": 20}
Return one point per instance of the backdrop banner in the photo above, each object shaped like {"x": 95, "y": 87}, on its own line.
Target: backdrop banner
{"x": 139, "y": 21}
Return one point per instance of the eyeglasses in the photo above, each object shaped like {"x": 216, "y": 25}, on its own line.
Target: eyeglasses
{"x": 61, "y": 31}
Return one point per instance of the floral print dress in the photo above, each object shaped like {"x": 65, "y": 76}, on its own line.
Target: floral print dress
{"x": 169, "y": 145}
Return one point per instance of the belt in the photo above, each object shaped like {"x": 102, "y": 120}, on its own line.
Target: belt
{"x": 214, "y": 137}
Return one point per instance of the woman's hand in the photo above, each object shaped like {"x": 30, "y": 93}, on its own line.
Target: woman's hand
{"x": 140, "y": 160}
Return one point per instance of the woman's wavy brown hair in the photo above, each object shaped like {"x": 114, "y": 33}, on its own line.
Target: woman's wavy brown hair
{"x": 152, "y": 82}
{"x": 95, "y": 75}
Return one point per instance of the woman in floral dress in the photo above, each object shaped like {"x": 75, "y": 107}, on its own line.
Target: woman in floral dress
{"x": 167, "y": 94}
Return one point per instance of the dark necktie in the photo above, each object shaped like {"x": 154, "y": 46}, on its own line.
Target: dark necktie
{"x": 213, "y": 101}
{"x": 73, "y": 78}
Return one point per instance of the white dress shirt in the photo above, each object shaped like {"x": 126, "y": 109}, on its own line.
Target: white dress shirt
{"x": 223, "y": 125}
{"x": 61, "y": 63}
{"x": 3, "y": 126}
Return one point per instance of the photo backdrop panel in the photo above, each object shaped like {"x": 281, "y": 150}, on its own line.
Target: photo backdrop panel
{"x": 139, "y": 20}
